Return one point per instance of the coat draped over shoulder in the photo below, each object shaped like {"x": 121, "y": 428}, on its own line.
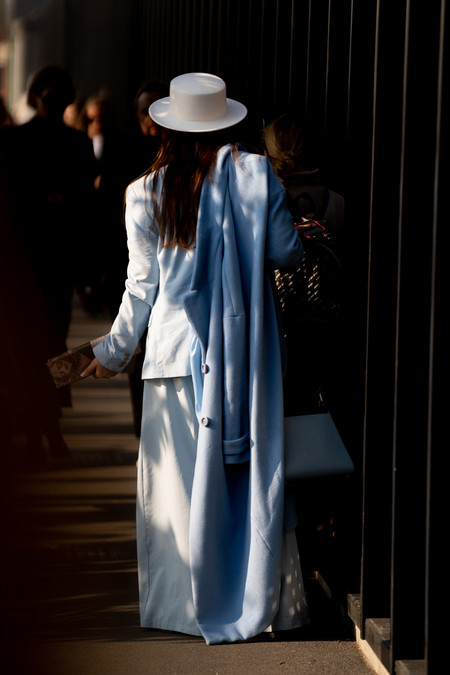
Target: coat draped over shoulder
{"x": 244, "y": 229}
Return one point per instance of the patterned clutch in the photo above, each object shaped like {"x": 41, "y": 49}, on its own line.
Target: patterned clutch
{"x": 67, "y": 367}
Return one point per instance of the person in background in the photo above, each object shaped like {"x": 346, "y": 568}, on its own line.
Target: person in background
{"x": 113, "y": 157}
{"x": 117, "y": 165}
{"x": 73, "y": 114}
{"x": 150, "y": 132}
{"x": 316, "y": 383}
{"x": 295, "y": 155}
{"x": 296, "y": 158}
{"x": 99, "y": 124}
{"x": 217, "y": 554}
{"x": 48, "y": 172}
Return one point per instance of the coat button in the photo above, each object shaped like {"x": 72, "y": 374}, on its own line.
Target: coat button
{"x": 205, "y": 368}
{"x": 205, "y": 421}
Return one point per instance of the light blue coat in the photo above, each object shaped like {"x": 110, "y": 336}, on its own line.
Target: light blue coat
{"x": 237, "y": 503}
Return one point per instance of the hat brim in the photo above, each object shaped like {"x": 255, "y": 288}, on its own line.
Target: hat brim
{"x": 160, "y": 113}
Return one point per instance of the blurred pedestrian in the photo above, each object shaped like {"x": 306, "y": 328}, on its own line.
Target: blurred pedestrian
{"x": 48, "y": 170}
{"x": 295, "y": 155}
{"x": 150, "y": 134}
{"x": 204, "y": 224}
{"x": 73, "y": 114}
{"x": 113, "y": 161}
{"x": 314, "y": 316}
{"x": 29, "y": 406}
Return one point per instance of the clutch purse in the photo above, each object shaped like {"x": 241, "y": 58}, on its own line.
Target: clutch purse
{"x": 314, "y": 449}
{"x": 66, "y": 368}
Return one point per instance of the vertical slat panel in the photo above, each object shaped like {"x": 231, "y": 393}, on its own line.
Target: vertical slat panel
{"x": 308, "y": 58}
{"x": 266, "y": 65}
{"x": 200, "y": 63}
{"x": 350, "y": 65}
{"x": 435, "y": 628}
{"x": 413, "y": 337}
{"x": 380, "y": 351}
{"x": 375, "y": 581}
{"x": 179, "y": 18}
{"x": 168, "y": 54}
{"x": 213, "y": 32}
{"x": 196, "y": 38}
{"x": 317, "y": 68}
{"x": 327, "y": 68}
{"x": 337, "y": 92}
{"x": 187, "y": 36}
{"x": 282, "y": 49}
{"x": 238, "y": 73}
{"x": 298, "y": 65}
{"x": 157, "y": 37}
{"x": 253, "y": 51}
{"x": 357, "y": 171}
{"x": 221, "y": 38}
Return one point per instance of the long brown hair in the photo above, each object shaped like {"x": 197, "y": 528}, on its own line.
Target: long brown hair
{"x": 183, "y": 162}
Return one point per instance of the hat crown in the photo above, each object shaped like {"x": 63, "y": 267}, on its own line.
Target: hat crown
{"x": 199, "y": 97}
{"x": 197, "y": 102}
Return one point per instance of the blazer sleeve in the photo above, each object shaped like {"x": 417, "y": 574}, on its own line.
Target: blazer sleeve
{"x": 283, "y": 247}
{"x": 141, "y": 286}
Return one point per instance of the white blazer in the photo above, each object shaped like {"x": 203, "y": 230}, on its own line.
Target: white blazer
{"x": 157, "y": 281}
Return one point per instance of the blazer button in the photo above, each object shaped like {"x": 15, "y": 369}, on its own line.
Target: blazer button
{"x": 205, "y": 421}
{"x": 205, "y": 368}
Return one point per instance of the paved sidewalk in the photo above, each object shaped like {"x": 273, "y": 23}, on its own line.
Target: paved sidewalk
{"x": 70, "y": 605}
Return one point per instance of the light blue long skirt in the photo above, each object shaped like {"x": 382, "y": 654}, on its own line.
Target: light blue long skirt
{"x": 165, "y": 474}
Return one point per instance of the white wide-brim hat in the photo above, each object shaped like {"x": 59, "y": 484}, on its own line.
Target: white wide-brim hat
{"x": 197, "y": 102}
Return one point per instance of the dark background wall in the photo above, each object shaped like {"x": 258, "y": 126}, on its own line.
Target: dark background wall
{"x": 273, "y": 54}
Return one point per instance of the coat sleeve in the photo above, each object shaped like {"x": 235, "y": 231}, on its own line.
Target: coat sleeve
{"x": 141, "y": 286}
{"x": 283, "y": 247}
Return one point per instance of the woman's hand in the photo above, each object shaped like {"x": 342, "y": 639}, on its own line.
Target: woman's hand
{"x": 97, "y": 371}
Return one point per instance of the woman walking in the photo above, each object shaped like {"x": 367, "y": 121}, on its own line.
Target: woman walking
{"x": 216, "y": 552}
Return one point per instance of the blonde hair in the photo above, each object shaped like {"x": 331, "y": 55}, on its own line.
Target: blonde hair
{"x": 289, "y": 146}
